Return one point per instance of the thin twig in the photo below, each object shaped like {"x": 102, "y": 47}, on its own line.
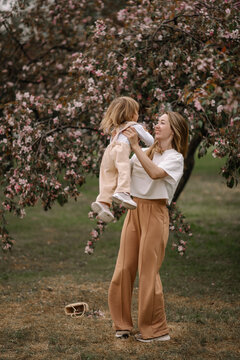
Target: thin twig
{"x": 7, "y": 27}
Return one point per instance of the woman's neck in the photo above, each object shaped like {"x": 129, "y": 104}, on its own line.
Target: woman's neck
{"x": 165, "y": 145}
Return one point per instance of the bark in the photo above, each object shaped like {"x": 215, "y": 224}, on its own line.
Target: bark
{"x": 189, "y": 165}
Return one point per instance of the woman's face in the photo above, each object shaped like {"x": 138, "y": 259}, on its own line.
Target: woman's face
{"x": 163, "y": 129}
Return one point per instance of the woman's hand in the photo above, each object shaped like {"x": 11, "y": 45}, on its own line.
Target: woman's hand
{"x": 151, "y": 169}
{"x": 132, "y": 136}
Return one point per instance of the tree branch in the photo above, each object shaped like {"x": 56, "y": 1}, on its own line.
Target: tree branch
{"x": 7, "y": 27}
{"x": 52, "y": 131}
{"x": 189, "y": 164}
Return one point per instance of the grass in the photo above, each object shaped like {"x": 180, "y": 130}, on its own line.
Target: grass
{"x": 48, "y": 269}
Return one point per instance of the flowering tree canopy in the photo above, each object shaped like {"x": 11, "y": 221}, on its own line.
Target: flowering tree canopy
{"x": 62, "y": 69}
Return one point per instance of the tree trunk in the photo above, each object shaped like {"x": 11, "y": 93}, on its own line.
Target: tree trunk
{"x": 189, "y": 165}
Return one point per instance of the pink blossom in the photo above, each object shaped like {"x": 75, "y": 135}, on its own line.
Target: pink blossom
{"x": 168, "y": 63}
{"x": 100, "y": 28}
{"x": 17, "y": 188}
{"x": 7, "y": 246}
{"x": 180, "y": 248}
{"x": 59, "y": 66}
{"x": 89, "y": 67}
{"x": 121, "y": 15}
{"x": 22, "y": 213}
{"x": 50, "y": 139}
{"x": 197, "y": 105}
{"x": 74, "y": 158}
{"x": 90, "y": 214}
{"x": 7, "y": 206}
{"x": 94, "y": 233}
{"x": 219, "y": 109}
{"x": 99, "y": 73}
{"x": 88, "y": 250}
{"x": 215, "y": 153}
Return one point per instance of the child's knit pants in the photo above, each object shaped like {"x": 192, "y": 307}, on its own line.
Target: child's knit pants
{"x": 142, "y": 246}
{"x": 115, "y": 171}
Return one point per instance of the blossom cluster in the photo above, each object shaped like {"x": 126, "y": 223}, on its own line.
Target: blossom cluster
{"x": 180, "y": 228}
{"x": 98, "y": 231}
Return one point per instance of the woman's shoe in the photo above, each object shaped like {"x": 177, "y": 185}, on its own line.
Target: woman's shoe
{"x": 104, "y": 214}
{"x": 122, "y": 334}
{"x": 166, "y": 337}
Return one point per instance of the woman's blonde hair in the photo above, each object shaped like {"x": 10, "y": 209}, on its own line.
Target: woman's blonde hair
{"x": 121, "y": 109}
{"x": 179, "y": 127}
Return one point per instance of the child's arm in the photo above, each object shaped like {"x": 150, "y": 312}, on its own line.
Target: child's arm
{"x": 143, "y": 134}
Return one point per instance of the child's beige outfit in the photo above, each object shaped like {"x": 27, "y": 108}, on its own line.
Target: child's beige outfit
{"x": 115, "y": 169}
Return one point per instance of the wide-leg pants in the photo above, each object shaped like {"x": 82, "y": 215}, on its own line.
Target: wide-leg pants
{"x": 115, "y": 171}
{"x": 142, "y": 247}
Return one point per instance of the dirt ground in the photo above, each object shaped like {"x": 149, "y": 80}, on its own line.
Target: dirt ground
{"x": 34, "y": 325}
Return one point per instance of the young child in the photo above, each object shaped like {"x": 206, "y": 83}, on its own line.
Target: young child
{"x": 115, "y": 169}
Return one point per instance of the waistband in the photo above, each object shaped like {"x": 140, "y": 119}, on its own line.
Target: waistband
{"x": 150, "y": 201}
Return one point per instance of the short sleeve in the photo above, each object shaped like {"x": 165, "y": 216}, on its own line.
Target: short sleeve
{"x": 173, "y": 166}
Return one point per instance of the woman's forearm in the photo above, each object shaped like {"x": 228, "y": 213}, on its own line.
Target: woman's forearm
{"x": 151, "y": 169}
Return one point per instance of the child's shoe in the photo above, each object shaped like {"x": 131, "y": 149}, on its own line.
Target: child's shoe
{"x": 104, "y": 214}
{"x": 124, "y": 199}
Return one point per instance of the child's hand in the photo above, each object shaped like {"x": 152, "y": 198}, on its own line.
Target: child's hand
{"x": 132, "y": 136}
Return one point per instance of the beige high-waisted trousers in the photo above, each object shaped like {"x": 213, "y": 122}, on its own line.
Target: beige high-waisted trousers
{"x": 142, "y": 247}
{"x": 115, "y": 171}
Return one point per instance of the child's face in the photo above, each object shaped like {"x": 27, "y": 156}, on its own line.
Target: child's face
{"x": 135, "y": 117}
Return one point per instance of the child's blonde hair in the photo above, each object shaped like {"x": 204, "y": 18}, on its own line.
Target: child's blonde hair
{"x": 180, "y": 138}
{"x": 121, "y": 109}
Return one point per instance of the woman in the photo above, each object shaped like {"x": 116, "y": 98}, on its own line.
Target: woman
{"x": 156, "y": 173}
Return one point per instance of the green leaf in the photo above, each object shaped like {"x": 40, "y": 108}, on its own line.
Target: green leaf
{"x": 62, "y": 199}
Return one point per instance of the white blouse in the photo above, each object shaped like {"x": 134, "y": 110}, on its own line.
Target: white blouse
{"x": 144, "y": 187}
